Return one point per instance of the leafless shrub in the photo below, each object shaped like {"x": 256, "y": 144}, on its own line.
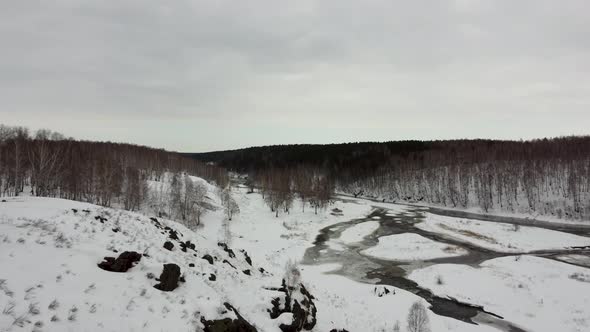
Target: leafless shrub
{"x": 292, "y": 275}
{"x": 41, "y": 224}
{"x": 450, "y": 249}
{"x": 396, "y": 327}
{"x": 29, "y": 293}
{"x": 292, "y": 235}
{"x": 90, "y": 288}
{"x": 34, "y": 309}
{"x": 61, "y": 241}
{"x": 9, "y": 308}
{"x": 53, "y": 305}
{"x": 580, "y": 277}
{"x": 54, "y": 318}
{"x": 21, "y": 320}
{"x": 72, "y": 313}
{"x": 130, "y": 305}
{"x": 439, "y": 280}
{"x": 4, "y": 288}
{"x": 418, "y": 318}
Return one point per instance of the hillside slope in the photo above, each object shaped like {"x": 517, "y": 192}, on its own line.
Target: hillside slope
{"x": 50, "y": 280}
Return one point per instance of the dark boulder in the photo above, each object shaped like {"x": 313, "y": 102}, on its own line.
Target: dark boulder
{"x": 227, "y": 249}
{"x": 101, "y": 219}
{"x": 169, "y": 278}
{"x": 208, "y": 258}
{"x": 172, "y": 233}
{"x": 168, "y": 245}
{"x": 156, "y": 223}
{"x": 212, "y": 277}
{"x": 246, "y": 257}
{"x": 187, "y": 245}
{"x": 191, "y": 265}
{"x": 247, "y": 272}
{"x": 124, "y": 262}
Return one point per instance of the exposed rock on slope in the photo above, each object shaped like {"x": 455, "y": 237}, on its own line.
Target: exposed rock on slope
{"x": 122, "y": 263}
{"x": 169, "y": 278}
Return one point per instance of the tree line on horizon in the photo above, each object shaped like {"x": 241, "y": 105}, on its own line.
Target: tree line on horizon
{"x": 545, "y": 176}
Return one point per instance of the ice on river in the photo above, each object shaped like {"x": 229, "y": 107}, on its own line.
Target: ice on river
{"x": 500, "y": 237}
{"x": 538, "y": 293}
{"x": 358, "y": 232}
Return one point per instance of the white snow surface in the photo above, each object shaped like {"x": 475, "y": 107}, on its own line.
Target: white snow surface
{"x": 500, "y": 236}
{"x": 358, "y": 232}
{"x": 411, "y": 247}
{"x": 49, "y": 252}
{"x": 541, "y": 294}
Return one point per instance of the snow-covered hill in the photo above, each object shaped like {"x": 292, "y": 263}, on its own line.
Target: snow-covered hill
{"x": 50, "y": 280}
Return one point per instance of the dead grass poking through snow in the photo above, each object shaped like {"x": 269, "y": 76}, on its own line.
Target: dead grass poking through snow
{"x": 468, "y": 233}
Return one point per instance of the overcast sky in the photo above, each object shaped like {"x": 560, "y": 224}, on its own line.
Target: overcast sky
{"x": 191, "y": 75}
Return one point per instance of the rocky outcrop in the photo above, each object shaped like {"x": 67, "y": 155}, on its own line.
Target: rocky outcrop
{"x": 381, "y": 291}
{"x": 227, "y": 249}
{"x": 239, "y": 324}
{"x": 297, "y": 301}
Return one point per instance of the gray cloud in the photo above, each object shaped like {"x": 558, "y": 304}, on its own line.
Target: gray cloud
{"x": 205, "y": 75}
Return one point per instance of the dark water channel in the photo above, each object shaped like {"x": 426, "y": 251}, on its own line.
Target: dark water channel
{"x": 368, "y": 269}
